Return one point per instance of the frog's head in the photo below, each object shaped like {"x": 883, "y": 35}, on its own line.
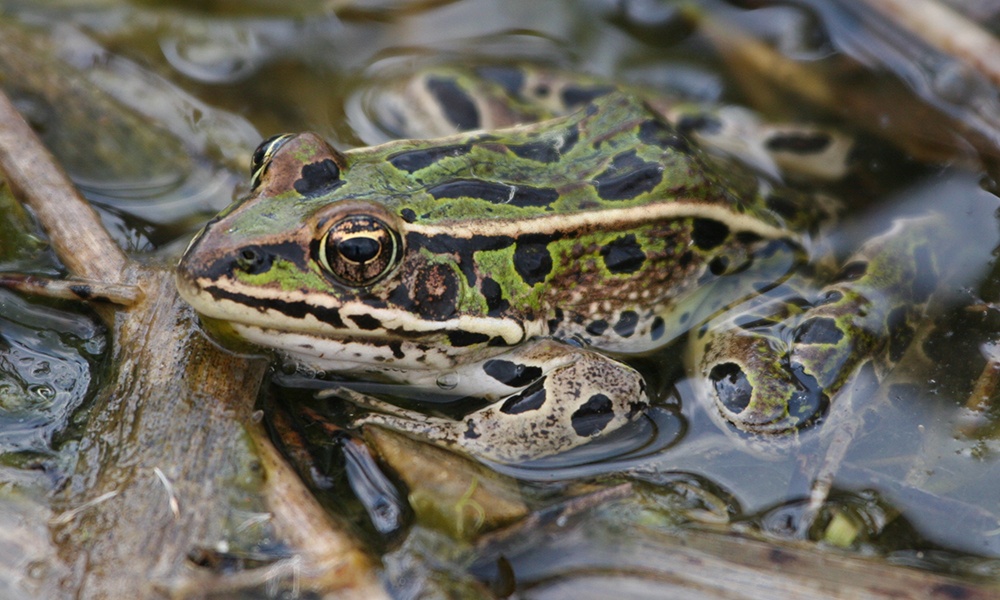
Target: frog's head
{"x": 315, "y": 253}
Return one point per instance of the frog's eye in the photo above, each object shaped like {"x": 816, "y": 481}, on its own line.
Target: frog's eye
{"x": 359, "y": 250}
{"x": 262, "y": 156}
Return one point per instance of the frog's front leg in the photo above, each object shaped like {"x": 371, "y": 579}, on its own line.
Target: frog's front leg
{"x": 775, "y": 368}
{"x": 562, "y": 396}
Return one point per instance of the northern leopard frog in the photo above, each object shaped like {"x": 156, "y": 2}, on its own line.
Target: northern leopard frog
{"x": 521, "y": 265}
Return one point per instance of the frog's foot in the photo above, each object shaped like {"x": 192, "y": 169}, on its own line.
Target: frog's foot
{"x": 585, "y": 394}
{"x": 775, "y": 369}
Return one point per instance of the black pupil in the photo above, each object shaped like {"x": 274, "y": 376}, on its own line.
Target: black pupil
{"x": 359, "y": 249}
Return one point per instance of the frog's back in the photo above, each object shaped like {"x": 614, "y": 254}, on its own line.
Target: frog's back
{"x": 614, "y": 154}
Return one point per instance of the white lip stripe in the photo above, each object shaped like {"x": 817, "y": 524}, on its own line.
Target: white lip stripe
{"x": 511, "y": 331}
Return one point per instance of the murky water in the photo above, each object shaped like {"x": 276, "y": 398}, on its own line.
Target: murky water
{"x": 188, "y": 94}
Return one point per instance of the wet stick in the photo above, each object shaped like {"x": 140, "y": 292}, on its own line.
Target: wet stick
{"x": 74, "y": 228}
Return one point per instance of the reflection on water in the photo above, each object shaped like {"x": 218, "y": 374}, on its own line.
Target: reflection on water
{"x": 46, "y": 361}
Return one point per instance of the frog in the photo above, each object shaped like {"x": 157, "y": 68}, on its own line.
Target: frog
{"x": 523, "y": 266}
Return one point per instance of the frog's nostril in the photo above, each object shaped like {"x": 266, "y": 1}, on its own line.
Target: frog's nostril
{"x": 732, "y": 387}
{"x": 253, "y": 260}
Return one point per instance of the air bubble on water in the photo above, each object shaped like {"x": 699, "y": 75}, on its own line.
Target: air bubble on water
{"x": 95, "y": 346}
{"x": 448, "y": 381}
{"x": 43, "y": 392}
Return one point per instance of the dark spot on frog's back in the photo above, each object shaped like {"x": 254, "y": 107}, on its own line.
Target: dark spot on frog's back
{"x": 703, "y": 123}
{"x": 493, "y": 294}
{"x": 497, "y": 193}
{"x": 708, "y": 233}
{"x": 783, "y": 206}
{"x": 569, "y": 140}
{"x": 511, "y": 373}
{"x": 532, "y": 398}
{"x": 657, "y": 132}
{"x": 456, "y": 105}
{"x": 532, "y": 259}
{"x": 748, "y": 238}
{"x": 576, "y": 95}
{"x": 412, "y": 161}
{"x": 623, "y": 255}
{"x": 593, "y": 415}
{"x": 800, "y": 143}
{"x": 447, "y": 244}
{"x": 511, "y": 79}
{"x": 318, "y": 178}
{"x": 628, "y": 177}
{"x": 544, "y": 151}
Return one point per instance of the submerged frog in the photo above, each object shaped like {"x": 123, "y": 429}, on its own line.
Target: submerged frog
{"x": 521, "y": 265}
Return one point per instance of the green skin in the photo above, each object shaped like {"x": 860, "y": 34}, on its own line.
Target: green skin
{"x": 505, "y": 265}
